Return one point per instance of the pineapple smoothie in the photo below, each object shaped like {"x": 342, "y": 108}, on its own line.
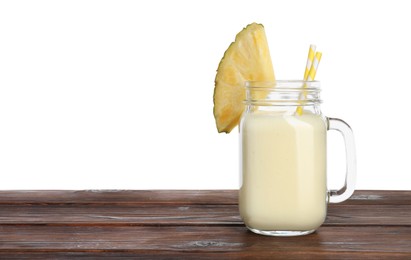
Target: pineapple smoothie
{"x": 283, "y": 189}
{"x": 283, "y": 171}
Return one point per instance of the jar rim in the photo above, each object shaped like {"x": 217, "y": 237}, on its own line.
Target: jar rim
{"x": 282, "y": 93}
{"x": 290, "y": 85}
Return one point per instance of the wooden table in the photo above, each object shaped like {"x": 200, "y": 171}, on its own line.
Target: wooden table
{"x": 191, "y": 225}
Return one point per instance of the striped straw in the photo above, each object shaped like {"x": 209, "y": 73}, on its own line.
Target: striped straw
{"x": 310, "y": 58}
{"x": 314, "y": 66}
{"x": 311, "y": 68}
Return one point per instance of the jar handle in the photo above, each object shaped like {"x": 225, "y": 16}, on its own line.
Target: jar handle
{"x": 336, "y": 196}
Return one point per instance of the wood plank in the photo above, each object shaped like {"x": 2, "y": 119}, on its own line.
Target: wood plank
{"x": 380, "y": 197}
{"x": 121, "y": 215}
{"x": 102, "y": 254}
{"x": 194, "y": 240}
{"x": 368, "y": 215}
{"x": 115, "y": 197}
{"x": 144, "y": 214}
{"x": 201, "y": 197}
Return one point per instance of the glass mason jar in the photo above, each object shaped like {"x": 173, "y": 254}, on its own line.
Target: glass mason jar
{"x": 283, "y": 143}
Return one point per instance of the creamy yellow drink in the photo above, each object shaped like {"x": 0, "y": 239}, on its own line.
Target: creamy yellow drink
{"x": 283, "y": 188}
{"x": 283, "y": 171}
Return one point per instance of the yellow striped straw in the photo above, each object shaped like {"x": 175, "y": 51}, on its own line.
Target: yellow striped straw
{"x": 310, "y": 58}
{"x": 314, "y": 66}
{"x": 311, "y": 68}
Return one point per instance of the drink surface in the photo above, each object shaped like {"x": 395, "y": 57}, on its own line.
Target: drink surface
{"x": 283, "y": 184}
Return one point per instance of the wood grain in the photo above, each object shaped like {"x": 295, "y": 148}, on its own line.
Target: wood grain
{"x": 220, "y": 197}
{"x": 347, "y": 215}
{"x": 230, "y": 241}
{"x": 191, "y": 225}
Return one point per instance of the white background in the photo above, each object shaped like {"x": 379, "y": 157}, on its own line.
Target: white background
{"x": 119, "y": 94}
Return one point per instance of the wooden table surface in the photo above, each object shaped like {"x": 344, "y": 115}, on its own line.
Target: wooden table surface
{"x": 191, "y": 225}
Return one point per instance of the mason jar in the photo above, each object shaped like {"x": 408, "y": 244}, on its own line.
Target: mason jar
{"x": 283, "y": 143}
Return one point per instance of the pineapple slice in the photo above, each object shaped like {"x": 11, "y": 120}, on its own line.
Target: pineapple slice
{"x": 246, "y": 59}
